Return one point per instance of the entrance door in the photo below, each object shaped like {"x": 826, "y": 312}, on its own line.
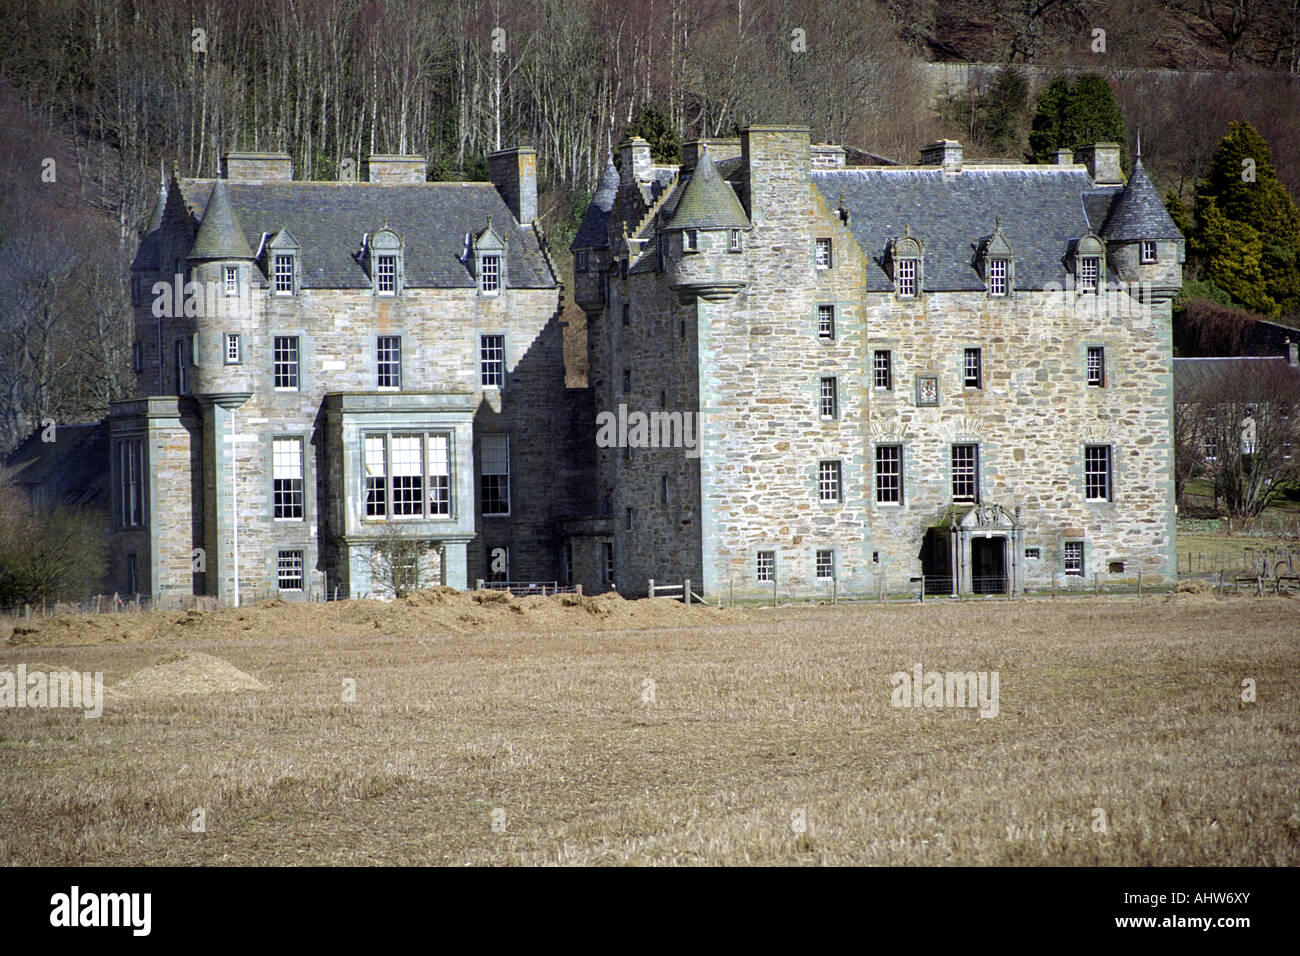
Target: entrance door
{"x": 936, "y": 561}
{"x": 988, "y": 565}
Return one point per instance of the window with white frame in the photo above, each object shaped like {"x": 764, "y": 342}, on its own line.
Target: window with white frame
{"x": 972, "y": 369}
{"x": 284, "y": 358}
{"x": 828, "y": 480}
{"x": 1096, "y": 473}
{"x": 389, "y": 368}
{"x": 825, "y": 564}
{"x": 386, "y": 275}
{"x": 287, "y": 484}
{"x": 1074, "y": 558}
{"x": 766, "y": 566}
{"x": 1096, "y": 365}
{"x": 1147, "y": 251}
{"x": 735, "y": 240}
{"x": 824, "y": 255}
{"x": 889, "y": 474}
{"x": 882, "y": 369}
{"x": 289, "y": 570}
{"x": 283, "y": 274}
{"x": 826, "y": 321}
{"x": 231, "y": 284}
{"x": 130, "y": 483}
{"x": 232, "y": 348}
{"x": 492, "y": 360}
{"x": 1089, "y": 273}
{"x": 997, "y": 277}
{"x": 906, "y": 278}
{"x": 690, "y": 240}
{"x": 407, "y": 474}
{"x": 439, "y": 475}
{"x": 490, "y": 278}
{"x": 830, "y": 399}
{"x": 406, "y": 464}
{"x": 965, "y": 472}
{"x": 495, "y": 475}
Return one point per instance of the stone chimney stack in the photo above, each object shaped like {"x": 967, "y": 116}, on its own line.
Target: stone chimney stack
{"x": 257, "y": 167}
{"x": 946, "y": 153}
{"x": 1063, "y": 157}
{"x": 777, "y": 161}
{"x": 634, "y": 160}
{"x": 514, "y": 173}
{"x": 388, "y": 169}
{"x": 1102, "y": 160}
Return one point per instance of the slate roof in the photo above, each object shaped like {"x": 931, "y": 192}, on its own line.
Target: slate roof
{"x": 328, "y": 219}
{"x": 1138, "y": 213}
{"x": 220, "y": 236}
{"x": 1193, "y": 374}
{"x": 707, "y": 202}
{"x": 73, "y": 469}
{"x": 1042, "y": 211}
{"x": 593, "y": 233}
{"x": 146, "y": 256}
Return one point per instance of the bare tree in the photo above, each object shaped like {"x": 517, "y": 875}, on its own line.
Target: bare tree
{"x": 399, "y": 564}
{"x": 1249, "y": 423}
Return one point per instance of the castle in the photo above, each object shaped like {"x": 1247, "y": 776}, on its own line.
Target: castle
{"x": 803, "y": 375}
{"x": 952, "y": 375}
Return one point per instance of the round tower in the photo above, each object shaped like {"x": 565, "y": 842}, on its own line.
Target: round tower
{"x": 222, "y": 266}
{"x": 706, "y": 238}
{"x": 1143, "y": 246}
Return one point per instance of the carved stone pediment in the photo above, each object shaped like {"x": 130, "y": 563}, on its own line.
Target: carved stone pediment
{"x": 987, "y": 516}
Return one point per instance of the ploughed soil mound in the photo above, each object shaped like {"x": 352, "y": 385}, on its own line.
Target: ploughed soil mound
{"x": 180, "y": 674}
{"x": 429, "y": 612}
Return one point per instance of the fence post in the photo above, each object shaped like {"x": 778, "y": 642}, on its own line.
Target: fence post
{"x": 1220, "y": 581}
{"x": 774, "y": 590}
{"x": 1139, "y": 584}
{"x": 731, "y": 592}
{"x": 478, "y": 584}
{"x": 652, "y": 587}
{"x": 835, "y": 588}
{"x": 27, "y": 612}
{"x": 686, "y": 592}
{"x": 1096, "y": 586}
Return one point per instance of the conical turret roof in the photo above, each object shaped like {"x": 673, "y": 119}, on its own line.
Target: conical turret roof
{"x": 593, "y": 233}
{"x": 708, "y": 202}
{"x": 220, "y": 236}
{"x": 1138, "y": 213}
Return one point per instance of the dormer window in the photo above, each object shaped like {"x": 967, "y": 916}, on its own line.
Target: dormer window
{"x": 1089, "y": 254}
{"x": 383, "y": 261}
{"x": 998, "y": 264}
{"x": 489, "y": 248}
{"x": 284, "y": 275}
{"x": 282, "y": 255}
{"x": 1147, "y": 251}
{"x": 491, "y": 274}
{"x": 906, "y": 278}
{"x": 905, "y": 255}
{"x": 997, "y": 277}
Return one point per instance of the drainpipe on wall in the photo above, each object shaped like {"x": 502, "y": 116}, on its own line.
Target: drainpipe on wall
{"x": 234, "y": 496}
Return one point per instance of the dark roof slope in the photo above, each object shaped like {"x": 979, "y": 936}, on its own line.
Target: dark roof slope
{"x": 329, "y": 220}
{"x": 1042, "y": 211}
{"x": 220, "y": 236}
{"x": 72, "y": 469}
{"x": 1138, "y": 213}
{"x": 146, "y": 256}
{"x": 1191, "y": 375}
{"x": 708, "y": 202}
{"x": 594, "y": 231}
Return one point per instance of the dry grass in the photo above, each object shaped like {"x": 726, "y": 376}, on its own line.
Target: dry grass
{"x": 1125, "y": 705}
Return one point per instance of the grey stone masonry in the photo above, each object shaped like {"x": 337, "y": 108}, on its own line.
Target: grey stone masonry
{"x": 935, "y": 377}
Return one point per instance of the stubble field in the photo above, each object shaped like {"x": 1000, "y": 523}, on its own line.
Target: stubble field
{"x": 612, "y": 732}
